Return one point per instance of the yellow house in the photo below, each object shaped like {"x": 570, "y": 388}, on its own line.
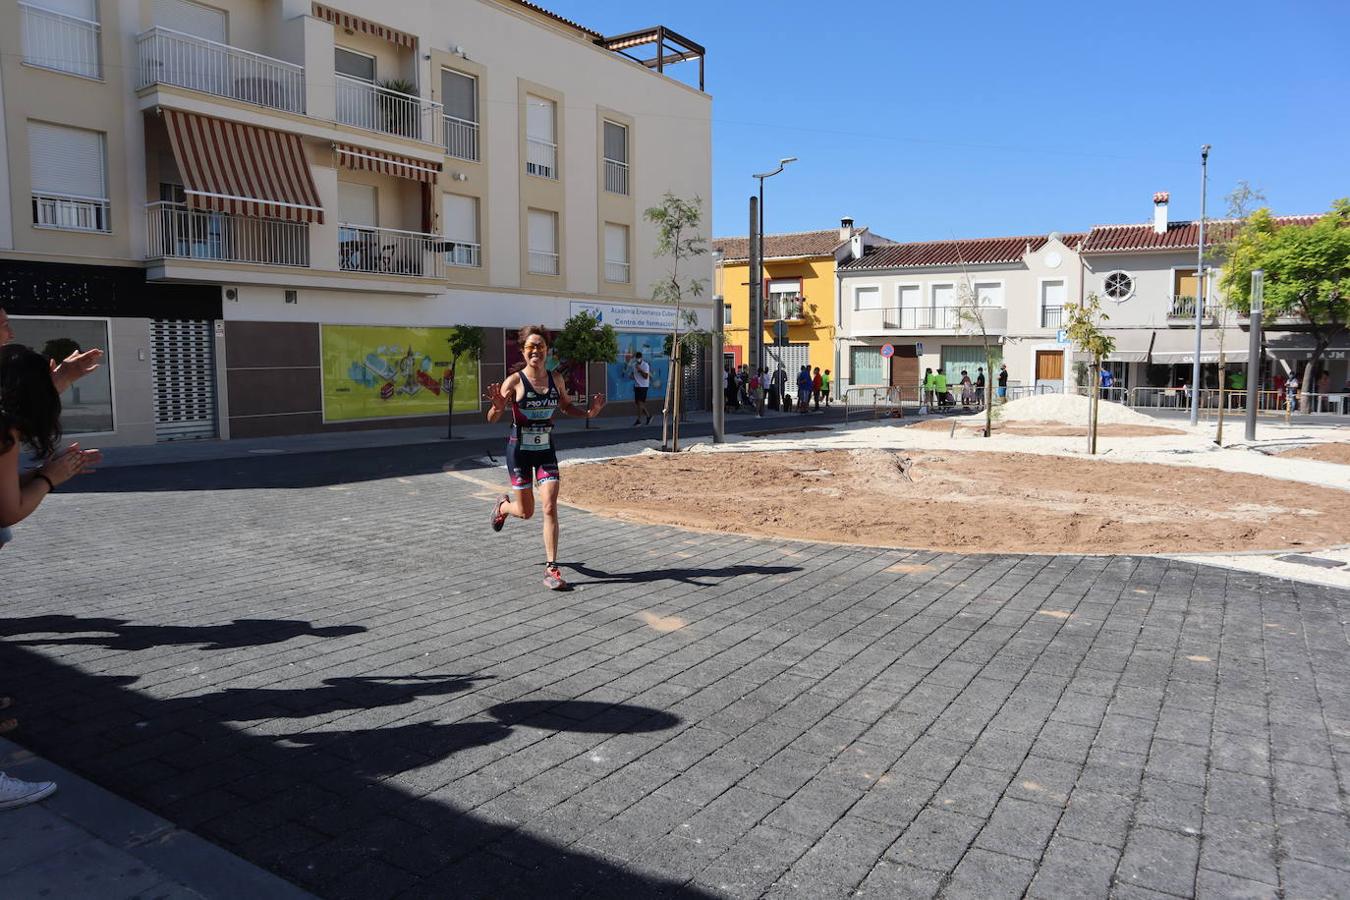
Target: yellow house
{"x": 799, "y": 288}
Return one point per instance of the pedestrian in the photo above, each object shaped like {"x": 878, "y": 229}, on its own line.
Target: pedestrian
{"x": 642, "y": 380}
{"x": 817, "y": 384}
{"x": 729, "y": 386}
{"x": 1108, "y": 381}
{"x": 30, "y": 415}
{"x": 967, "y": 390}
{"x": 743, "y": 385}
{"x": 825, "y": 387}
{"x": 763, "y": 391}
{"x": 929, "y": 397}
{"x": 534, "y": 394}
{"x": 804, "y": 389}
{"x": 1323, "y": 388}
{"x": 1291, "y": 391}
{"x": 779, "y": 388}
{"x": 980, "y": 387}
{"x": 1003, "y": 383}
{"x": 940, "y": 388}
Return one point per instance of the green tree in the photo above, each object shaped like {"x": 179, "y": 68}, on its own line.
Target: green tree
{"x": 677, "y": 237}
{"x": 1307, "y": 273}
{"x": 583, "y": 340}
{"x": 971, "y": 315}
{"x": 1240, "y": 203}
{"x": 1085, "y": 332}
{"x": 466, "y": 341}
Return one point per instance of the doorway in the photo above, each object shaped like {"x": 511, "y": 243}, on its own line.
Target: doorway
{"x": 1049, "y": 371}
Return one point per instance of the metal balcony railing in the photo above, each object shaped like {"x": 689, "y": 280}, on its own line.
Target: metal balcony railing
{"x": 185, "y": 60}
{"x": 784, "y": 306}
{"x": 375, "y": 108}
{"x": 463, "y": 254}
{"x": 541, "y": 158}
{"x": 543, "y": 263}
{"x": 616, "y": 176}
{"x": 62, "y": 42}
{"x": 70, "y": 212}
{"x": 390, "y": 251}
{"x": 616, "y": 272}
{"x": 1052, "y": 317}
{"x": 1180, "y": 306}
{"x": 176, "y": 231}
{"x": 461, "y": 138}
{"x": 922, "y": 318}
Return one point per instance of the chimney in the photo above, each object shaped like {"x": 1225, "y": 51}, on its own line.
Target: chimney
{"x": 845, "y": 228}
{"x": 1160, "y": 212}
{"x": 855, "y": 246}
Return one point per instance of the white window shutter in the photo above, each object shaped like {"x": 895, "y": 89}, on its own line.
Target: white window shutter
{"x": 909, "y": 296}
{"x": 80, "y": 9}
{"x": 460, "y": 220}
{"x": 543, "y": 235}
{"x": 67, "y": 161}
{"x": 192, "y": 18}
{"x": 357, "y": 204}
{"x": 616, "y": 243}
{"x": 539, "y": 118}
{"x": 459, "y": 93}
{"x": 616, "y": 142}
{"x": 944, "y": 295}
{"x": 867, "y": 298}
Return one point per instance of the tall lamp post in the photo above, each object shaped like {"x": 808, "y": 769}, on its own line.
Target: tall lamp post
{"x": 1200, "y": 291}
{"x": 757, "y": 277}
{"x": 719, "y": 343}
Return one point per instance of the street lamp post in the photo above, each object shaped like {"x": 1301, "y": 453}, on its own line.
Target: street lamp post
{"x": 757, "y": 278}
{"x": 719, "y": 342}
{"x": 1200, "y": 291}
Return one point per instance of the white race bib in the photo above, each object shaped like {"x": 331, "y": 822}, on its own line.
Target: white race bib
{"x": 534, "y": 439}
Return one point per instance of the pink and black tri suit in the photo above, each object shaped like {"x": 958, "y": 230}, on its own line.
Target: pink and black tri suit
{"x": 530, "y": 454}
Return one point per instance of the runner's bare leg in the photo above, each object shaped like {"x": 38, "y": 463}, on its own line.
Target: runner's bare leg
{"x": 548, "y": 502}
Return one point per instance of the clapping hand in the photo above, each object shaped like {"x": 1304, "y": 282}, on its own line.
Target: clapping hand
{"x": 73, "y": 461}
{"x": 597, "y": 404}
{"x": 74, "y": 367}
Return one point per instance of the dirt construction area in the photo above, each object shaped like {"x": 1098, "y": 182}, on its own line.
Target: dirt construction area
{"x": 1332, "y": 453}
{"x": 965, "y": 501}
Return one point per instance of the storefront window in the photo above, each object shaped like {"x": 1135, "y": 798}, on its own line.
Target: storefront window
{"x": 86, "y": 406}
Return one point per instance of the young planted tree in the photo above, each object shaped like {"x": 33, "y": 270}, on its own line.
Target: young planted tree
{"x": 1083, "y": 324}
{"x": 1241, "y": 201}
{"x": 971, "y": 316}
{"x": 466, "y": 342}
{"x": 677, "y": 237}
{"x": 1307, "y": 274}
{"x": 583, "y": 340}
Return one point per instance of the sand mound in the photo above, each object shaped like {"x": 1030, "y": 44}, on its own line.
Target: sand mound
{"x": 964, "y": 428}
{"x": 1070, "y": 409}
{"x": 1333, "y": 453}
{"x": 968, "y": 502}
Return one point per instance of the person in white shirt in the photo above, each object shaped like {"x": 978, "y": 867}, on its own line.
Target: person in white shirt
{"x": 642, "y": 379}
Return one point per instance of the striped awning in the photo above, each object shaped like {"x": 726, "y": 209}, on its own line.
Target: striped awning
{"x": 241, "y": 169}
{"x": 365, "y": 26}
{"x": 364, "y": 159}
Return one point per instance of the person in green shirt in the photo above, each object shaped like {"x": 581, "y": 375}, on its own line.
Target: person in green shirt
{"x": 928, "y": 387}
{"x": 825, "y": 386}
{"x": 940, "y": 386}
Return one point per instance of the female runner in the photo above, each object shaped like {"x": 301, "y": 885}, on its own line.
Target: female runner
{"x": 534, "y": 394}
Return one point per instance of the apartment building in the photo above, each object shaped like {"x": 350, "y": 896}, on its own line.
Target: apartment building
{"x": 271, "y": 212}
{"x": 799, "y": 282}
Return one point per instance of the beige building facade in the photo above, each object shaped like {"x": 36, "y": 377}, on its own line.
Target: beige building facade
{"x": 271, "y": 211}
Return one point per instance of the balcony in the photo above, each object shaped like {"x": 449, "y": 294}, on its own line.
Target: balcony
{"x": 1182, "y": 307}
{"x": 541, "y": 158}
{"x": 616, "y": 176}
{"x": 60, "y": 42}
{"x": 389, "y": 251}
{"x": 461, "y": 138}
{"x": 463, "y": 254}
{"x": 542, "y": 262}
{"x": 786, "y": 307}
{"x": 617, "y": 272}
{"x": 186, "y": 61}
{"x": 68, "y": 212}
{"x": 922, "y": 318}
{"x": 176, "y": 231}
{"x": 1052, "y": 317}
{"x": 362, "y": 104}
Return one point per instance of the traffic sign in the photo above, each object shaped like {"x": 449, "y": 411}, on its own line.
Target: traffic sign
{"x": 1062, "y": 337}
{"x": 780, "y": 333}
{"x": 918, "y": 348}
{"x": 887, "y": 351}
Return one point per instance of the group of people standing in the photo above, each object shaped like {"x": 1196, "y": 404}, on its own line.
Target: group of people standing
{"x": 30, "y": 416}
{"x": 756, "y": 390}
{"x": 938, "y": 393}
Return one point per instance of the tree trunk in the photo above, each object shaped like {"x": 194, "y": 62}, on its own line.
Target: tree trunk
{"x": 677, "y": 375}
{"x": 665, "y": 408}
{"x": 1218, "y": 437}
{"x": 988, "y": 395}
{"x": 1096, "y": 390}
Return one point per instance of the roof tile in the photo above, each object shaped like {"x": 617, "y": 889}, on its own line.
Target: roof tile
{"x": 1182, "y": 235}
{"x": 966, "y": 251}
{"x": 780, "y": 246}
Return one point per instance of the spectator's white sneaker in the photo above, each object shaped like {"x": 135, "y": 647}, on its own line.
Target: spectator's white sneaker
{"x": 14, "y": 792}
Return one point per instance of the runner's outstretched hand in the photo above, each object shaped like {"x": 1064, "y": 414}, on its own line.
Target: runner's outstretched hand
{"x": 495, "y": 397}
{"x": 597, "y": 404}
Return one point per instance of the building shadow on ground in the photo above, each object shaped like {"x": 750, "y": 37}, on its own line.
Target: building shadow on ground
{"x": 691, "y": 576}
{"x": 119, "y": 634}
{"x": 352, "y": 807}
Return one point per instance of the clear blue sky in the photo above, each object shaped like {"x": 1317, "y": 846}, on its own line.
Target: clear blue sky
{"x": 929, "y": 120}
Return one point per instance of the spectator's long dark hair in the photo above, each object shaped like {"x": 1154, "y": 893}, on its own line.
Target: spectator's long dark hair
{"x": 29, "y": 403}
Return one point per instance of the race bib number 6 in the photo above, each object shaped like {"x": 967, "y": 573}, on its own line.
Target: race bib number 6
{"x": 534, "y": 439}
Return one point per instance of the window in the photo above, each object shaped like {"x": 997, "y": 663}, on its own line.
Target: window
{"x": 459, "y": 93}
{"x": 616, "y": 158}
{"x": 354, "y": 64}
{"x": 69, "y": 174}
{"x": 358, "y": 238}
{"x": 192, "y": 18}
{"x": 989, "y": 293}
{"x": 543, "y": 242}
{"x": 726, "y": 315}
{"x": 867, "y": 298}
{"x": 909, "y": 296}
{"x": 541, "y": 147}
{"x": 865, "y": 366}
{"x": 616, "y": 253}
{"x": 1119, "y": 286}
{"x": 944, "y": 296}
{"x": 1053, "y": 295}
{"x": 62, "y": 35}
{"x": 785, "y": 299}
{"x": 460, "y": 224}
{"x": 86, "y": 406}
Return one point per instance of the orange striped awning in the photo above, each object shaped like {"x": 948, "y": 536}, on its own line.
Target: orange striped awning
{"x": 365, "y": 159}
{"x": 365, "y": 26}
{"x": 242, "y": 169}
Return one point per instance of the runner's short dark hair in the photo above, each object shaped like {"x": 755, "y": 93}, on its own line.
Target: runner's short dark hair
{"x": 524, "y": 334}
{"x": 638, "y": 355}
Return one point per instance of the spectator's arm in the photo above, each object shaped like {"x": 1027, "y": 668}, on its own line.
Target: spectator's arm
{"x": 74, "y": 367}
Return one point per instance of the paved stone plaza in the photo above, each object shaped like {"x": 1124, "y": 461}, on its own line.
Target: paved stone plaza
{"x": 357, "y": 685}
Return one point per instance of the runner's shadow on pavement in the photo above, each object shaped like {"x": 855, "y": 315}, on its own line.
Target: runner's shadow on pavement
{"x": 680, "y": 576}
{"x": 119, "y": 634}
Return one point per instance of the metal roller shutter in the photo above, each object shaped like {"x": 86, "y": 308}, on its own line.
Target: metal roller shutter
{"x": 183, "y": 376}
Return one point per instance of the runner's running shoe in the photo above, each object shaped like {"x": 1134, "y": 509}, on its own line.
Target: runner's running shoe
{"x": 498, "y": 516}
{"x": 553, "y": 579}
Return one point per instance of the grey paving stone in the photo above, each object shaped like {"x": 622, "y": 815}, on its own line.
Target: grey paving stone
{"x": 982, "y": 874}
{"x": 1221, "y": 886}
{"x": 1098, "y": 817}
{"x": 1160, "y": 860}
{"x": 935, "y": 840}
{"x": 1019, "y": 828}
{"x": 1074, "y": 868}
